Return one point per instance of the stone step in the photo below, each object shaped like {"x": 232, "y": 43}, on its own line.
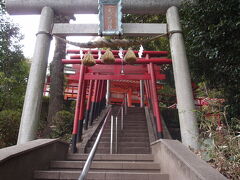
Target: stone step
{"x": 126, "y": 130}
{"x": 126, "y": 139}
{"x": 134, "y": 150}
{"x": 129, "y": 134}
{"x": 122, "y": 150}
{"x": 112, "y": 157}
{"x": 110, "y": 170}
{"x": 116, "y": 165}
{"x": 122, "y": 144}
{"x": 131, "y": 125}
{"x": 74, "y": 175}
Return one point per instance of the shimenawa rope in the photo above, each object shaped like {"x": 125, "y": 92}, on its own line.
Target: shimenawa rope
{"x": 109, "y": 43}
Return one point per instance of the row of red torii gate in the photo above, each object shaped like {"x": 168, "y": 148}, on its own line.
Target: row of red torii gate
{"x": 95, "y": 86}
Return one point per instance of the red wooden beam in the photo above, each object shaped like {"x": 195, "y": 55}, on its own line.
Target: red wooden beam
{"x": 122, "y": 77}
{"x": 120, "y": 61}
{"x": 128, "y": 69}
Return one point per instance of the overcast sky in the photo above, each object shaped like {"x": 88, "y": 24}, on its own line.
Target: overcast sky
{"x": 29, "y": 26}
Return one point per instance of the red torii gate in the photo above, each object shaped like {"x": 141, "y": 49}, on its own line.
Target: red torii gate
{"x": 92, "y": 81}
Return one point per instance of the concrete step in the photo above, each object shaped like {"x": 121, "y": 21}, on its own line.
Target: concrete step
{"x": 134, "y": 150}
{"x": 127, "y": 139}
{"x": 74, "y": 175}
{"x": 122, "y": 144}
{"x": 129, "y": 134}
{"x": 122, "y": 150}
{"x": 126, "y": 130}
{"x": 116, "y": 165}
{"x": 131, "y": 125}
{"x": 112, "y": 157}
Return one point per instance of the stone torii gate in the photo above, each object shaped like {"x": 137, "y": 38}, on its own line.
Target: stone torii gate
{"x": 48, "y": 8}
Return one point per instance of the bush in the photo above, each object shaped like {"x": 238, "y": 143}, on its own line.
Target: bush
{"x": 62, "y": 125}
{"x": 9, "y": 126}
{"x": 220, "y": 148}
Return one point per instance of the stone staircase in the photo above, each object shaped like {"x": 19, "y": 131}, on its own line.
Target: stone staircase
{"x": 133, "y": 139}
{"x": 133, "y": 160}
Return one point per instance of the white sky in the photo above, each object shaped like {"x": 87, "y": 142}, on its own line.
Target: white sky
{"x": 29, "y": 27}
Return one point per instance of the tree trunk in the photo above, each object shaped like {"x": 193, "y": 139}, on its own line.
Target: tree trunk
{"x": 56, "y": 101}
{"x": 57, "y": 81}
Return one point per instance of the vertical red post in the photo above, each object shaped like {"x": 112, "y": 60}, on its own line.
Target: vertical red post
{"x": 155, "y": 101}
{"x": 77, "y": 108}
{"x": 81, "y": 113}
{"x": 99, "y": 97}
{"x": 104, "y": 93}
{"x": 72, "y": 91}
{"x": 90, "y": 92}
{"x": 102, "y": 96}
{"x": 91, "y": 114}
{"x": 147, "y": 93}
{"x": 129, "y": 95}
{"x": 151, "y": 96}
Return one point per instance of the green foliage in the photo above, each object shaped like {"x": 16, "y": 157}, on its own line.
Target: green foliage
{"x": 62, "y": 125}
{"x": 13, "y": 66}
{"x": 9, "y": 124}
{"x": 13, "y": 78}
{"x": 211, "y": 29}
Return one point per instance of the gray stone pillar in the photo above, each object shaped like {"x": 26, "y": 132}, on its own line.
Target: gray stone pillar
{"x": 185, "y": 101}
{"x": 34, "y": 92}
{"x": 141, "y": 94}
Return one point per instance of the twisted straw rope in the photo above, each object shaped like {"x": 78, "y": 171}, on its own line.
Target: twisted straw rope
{"x": 109, "y": 43}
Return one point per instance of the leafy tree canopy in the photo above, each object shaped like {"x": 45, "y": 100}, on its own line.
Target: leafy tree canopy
{"x": 211, "y": 29}
{"x": 13, "y": 66}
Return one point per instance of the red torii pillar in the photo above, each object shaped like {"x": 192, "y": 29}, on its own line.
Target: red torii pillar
{"x": 95, "y": 111}
{"x": 82, "y": 109}
{"x": 129, "y": 97}
{"x": 90, "y": 92}
{"x": 147, "y": 93}
{"x": 103, "y": 96}
{"x": 155, "y": 101}
{"x": 77, "y": 108}
{"x": 99, "y": 97}
{"x": 91, "y": 114}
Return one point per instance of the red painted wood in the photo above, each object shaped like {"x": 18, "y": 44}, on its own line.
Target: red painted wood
{"x": 155, "y": 99}
{"x": 100, "y": 89}
{"x": 77, "y": 107}
{"x": 82, "y": 101}
{"x": 147, "y": 93}
{"x": 90, "y": 94}
{"x": 120, "y": 61}
{"x": 122, "y": 77}
{"x": 128, "y": 69}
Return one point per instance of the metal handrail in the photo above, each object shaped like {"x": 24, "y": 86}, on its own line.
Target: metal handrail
{"x": 93, "y": 150}
{"x": 121, "y": 109}
{"x": 111, "y": 137}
